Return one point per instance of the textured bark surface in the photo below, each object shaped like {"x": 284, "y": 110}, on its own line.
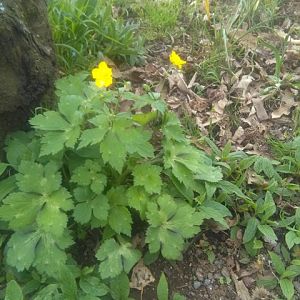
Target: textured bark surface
{"x": 27, "y": 63}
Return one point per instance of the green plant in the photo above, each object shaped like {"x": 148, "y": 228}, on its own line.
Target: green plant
{"x": 285, "y": 275}
{"x": 89, "y": 166}
{"x": 158, "y": 17}
{"x": 163, "y": 290}
{"x": 85, "y": 30}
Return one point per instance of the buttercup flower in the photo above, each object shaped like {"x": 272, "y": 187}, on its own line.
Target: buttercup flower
{"x": 176, "y": 60}
{"x": 102, "y": 75}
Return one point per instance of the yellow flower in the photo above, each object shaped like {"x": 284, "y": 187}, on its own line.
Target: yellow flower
{"x": 176, "y": 60}
{"x": 102, "y": 75}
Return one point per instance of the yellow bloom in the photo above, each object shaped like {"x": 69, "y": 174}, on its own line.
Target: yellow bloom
{"x": 102, "y": 75}
{"x": 176, "y": 60}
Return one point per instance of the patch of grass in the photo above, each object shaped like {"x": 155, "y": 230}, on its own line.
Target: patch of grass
{"x": 85, "y": 30}
{"x": 159, "y": 17}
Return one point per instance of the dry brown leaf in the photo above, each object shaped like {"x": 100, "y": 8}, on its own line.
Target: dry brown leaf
{"x": 245, "y": 38}
{"x": 240, "y": 287}
{"x": 287, "y": 102}
{"x": 284, "y": 36}
{"x": 244, "y": 83}
{"x": 258, "y": 103}
{"x": 134, "y": 74}
{"x": 239, "y": 135}
{"x": 176, "y": 80}
{"x": 141, "y": 276}
{"x": 219, "y": 107}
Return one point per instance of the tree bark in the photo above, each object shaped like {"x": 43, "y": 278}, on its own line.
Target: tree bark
{"x": 27, "y": 61}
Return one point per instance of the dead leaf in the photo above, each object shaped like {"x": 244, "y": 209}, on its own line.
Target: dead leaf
{"x": 258, "y": 104}
{"x": 240, "y": 287}
{"x": 239, "y": 135}
{"x": 219, "y": 107}
{"x": 134, "y": 75}
{"x": 192, "y": 81}
{"x": 176, "y": 79}
{"x": 287, "y": 102}
{"x": 141, "y": 276}
{"x": 244, "y": 83}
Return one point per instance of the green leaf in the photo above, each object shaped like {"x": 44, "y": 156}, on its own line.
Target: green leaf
{"x": 188, "y": 163}
{"x": 269, "y": 282}
{"x": 162, "y": 288}
{"x": 68, "y": 106}
{"x": 90, "y": 204}
{"x": 90, "y": 174}
{"x": 291, "y": 272}
{"x": 7, "y": 186}
{"x": 115, "y": 258}
{"x": 268, "y": 232}
{"x": 50, "y": 292}
{"x": 120, "y": 287}
{"x": 50, "y": 120}
{"x": 22, "y": 146}
{"x": 148, "y": 176}
{"x": 93, "y": 286}
{"x": 57, "y": 133}
{"x": 231, "y": 188}
{"x": 297, "y": 216}
{"x": 172, "y": 128}
{"x": 138, "y": 199}
{"x": 277, "y": 263}
{"x": 178, "y": 297}
{"x": 134, "y": 139}
{"x": 95, "y": 135}
{"x": 120, "y": 220}
{"x": 36, "y": 178}
{"x": 68, "y": 283}
{"x": 50, "y": 254}
{"x": 250, "y": 230}
{"x": 21, "y": 249}
{"x": 82, "y": 213}
{"x": 3, "y": 167}
{"x": 291, "y": 239}
{"x": 170, "y": 225}
{"x": 287, "y": 288}
{"x": 113, "y": 151}
{"x": 13, "y": 291}
{"x": 265, "y": 165}
{"x": 269, "y": 206}
{"x": 144, "y": 118}
{"x": 100, "y": 207}
{"x": 214, "y": 210}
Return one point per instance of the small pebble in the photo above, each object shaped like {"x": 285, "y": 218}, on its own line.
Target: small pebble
{"x": 196, "y": 284}
{"x": 210, "y": 276}
{"x": 209, "y": 288}
{"x": 207, "y": 282}
{"x": 217, "y": 275}
{"x": 199, "y": 275}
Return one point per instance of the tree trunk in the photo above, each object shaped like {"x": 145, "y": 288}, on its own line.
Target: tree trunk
{"x": 27, "y": 63}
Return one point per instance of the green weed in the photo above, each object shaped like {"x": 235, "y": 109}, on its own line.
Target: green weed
{"x": 159, "y": 18}
{"x": 85, "y": 30}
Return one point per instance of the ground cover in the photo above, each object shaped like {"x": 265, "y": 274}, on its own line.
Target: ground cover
{"x": 192, "y": 163}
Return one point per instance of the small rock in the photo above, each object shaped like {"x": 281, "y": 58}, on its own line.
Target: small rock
{"x": 210, "y": 275}
{"x": 196, "y": 284}
{"x": 207, "y": 282}
{"x": 209, "y": 288}
{"x": 217, "y": 276}
{"x": 199, "y": 275}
